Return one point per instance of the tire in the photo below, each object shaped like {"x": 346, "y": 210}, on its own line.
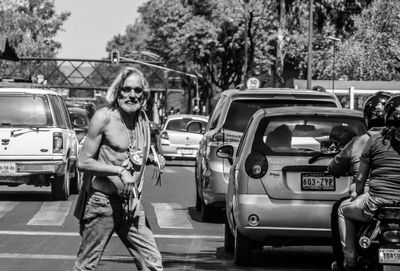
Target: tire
{"x": 60, "y": 186}
{"x": 207, "y": 212}
{"x": 198, "y": 201}
{"x": 243, "y": 250}
{"x": 229, "y": 239}
{"x": 76, "y": 181}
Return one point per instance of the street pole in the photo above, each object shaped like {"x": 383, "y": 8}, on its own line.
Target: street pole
{"x": 246, "y": 25}
{"x": 334, "y": 61}
{"x": 310, "y": 37}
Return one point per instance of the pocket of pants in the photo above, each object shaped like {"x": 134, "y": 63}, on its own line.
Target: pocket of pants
{"x": 97, "y": 206}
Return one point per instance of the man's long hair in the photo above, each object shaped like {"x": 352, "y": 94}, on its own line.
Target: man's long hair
{"x": 114, "y": 89}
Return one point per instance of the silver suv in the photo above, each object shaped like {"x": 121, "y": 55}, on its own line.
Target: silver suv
{"x": 38, "y": 143}
{"x": 226, "y": 126}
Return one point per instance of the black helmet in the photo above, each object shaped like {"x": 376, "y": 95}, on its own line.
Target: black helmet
{"x": 374, "y": 109}
{"x": 392, "y": 112}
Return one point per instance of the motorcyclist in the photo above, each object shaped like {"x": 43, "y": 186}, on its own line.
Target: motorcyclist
{"x": 347, "y": 162}
{"x": 380, "y": 162}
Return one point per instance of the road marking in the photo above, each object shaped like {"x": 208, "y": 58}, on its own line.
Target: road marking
{"x": 172, "y": 216}
{"x": 51, "y": 213}
{"x": 193, "y": 250}
{"x": 76, "y": 234}
{"x": 7, "y": 206}
{"x": 127, "y": 258}
{"x": 168, "y": 170}
{"x": 191, "y": 169}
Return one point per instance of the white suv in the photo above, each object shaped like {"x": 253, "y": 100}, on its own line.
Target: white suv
{"x": 38, "y": 143}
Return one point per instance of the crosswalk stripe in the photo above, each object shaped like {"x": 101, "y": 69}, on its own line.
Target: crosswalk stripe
{"x": 168, "y": 170}
{"x": 51, "y": 214}
{"x": 7, "y": 206}
{"x": 172, "y": 215}
{"x": 76, "y": 234}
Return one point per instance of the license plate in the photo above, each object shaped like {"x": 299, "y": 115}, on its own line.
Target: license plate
{"x": 7, "y": 168}
{"x": 389, "y": 255}
{"x": 186, "y": 151}
{"x": 317, "y": 182}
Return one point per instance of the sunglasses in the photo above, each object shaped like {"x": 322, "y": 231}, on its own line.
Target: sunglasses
{"x": 138, "y": 90}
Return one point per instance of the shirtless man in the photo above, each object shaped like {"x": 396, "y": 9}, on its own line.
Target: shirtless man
{"x": 115, "y": 153}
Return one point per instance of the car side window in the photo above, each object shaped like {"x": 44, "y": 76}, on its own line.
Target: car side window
{"x": 243, "y": 139}
{"x": 57, "y": 109}
{"x": 216, "y": 115}
{"x": 64, "y": 108}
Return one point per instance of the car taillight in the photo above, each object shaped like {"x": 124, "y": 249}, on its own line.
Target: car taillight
{"x": 391, "y": 236}
{"x": 256, "y": 165}
{"x": 391, "y": 231}
{"x": 164, "y": 135}
{"x": 57, "y": 142}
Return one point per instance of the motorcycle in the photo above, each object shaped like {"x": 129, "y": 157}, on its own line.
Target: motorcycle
{"x": 379, "y": 241}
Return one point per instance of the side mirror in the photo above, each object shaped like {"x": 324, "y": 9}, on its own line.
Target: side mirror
{"x": 79, "y": 122}
{"x": 225, "y": 152}
{"x": 195, "y": 127}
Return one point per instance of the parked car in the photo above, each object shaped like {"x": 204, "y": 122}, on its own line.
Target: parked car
{"x": 226, "y": 126}
{"x": 279, "y": 192}
{"x": 38, "y": 143}
{"x": 177, "y": 140}
{"x": 80, "y": 123}
{"x": 89, "y": 107}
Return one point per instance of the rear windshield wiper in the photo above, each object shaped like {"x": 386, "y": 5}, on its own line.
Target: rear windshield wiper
{"x": 25, "y": 130}
{"x": 321, "y": 154}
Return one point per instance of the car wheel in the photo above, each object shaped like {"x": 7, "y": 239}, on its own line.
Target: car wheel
{"x": 207, "y": 212}
{"x": 243, "y": 250}
{"x": 76, "y": 181}
{"x": 229, "y": 239}
{"x": 60, "y": 185}
{"x": 198, "y": 199}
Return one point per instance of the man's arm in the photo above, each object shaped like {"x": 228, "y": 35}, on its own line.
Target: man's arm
{"x": 87, "y": 161}
{"x": 341, "y": 163}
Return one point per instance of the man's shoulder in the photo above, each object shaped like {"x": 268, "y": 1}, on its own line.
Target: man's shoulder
{"x": 103, "y": 115}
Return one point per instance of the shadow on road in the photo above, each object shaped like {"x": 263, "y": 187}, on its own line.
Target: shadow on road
{"x": 286, "y": 258}
{"x": 218, "y": 217}
{"x": 26, "y": 196}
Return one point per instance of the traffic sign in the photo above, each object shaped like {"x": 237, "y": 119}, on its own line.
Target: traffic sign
{"x": 253, "y": 83}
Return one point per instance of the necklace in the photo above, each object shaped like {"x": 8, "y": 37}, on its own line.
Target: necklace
{"x": 131, "y": 147}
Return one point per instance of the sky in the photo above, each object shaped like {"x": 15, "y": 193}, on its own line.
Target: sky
{"x": 92, "y": 24}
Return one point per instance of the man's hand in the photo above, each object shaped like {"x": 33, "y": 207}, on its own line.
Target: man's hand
{"x": 161, "y": 160}
{"x": 352, "y": 191}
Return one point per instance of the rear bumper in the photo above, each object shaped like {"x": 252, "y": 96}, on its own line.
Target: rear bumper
{"x": 178, "y": 151}
{"x": 283, "y": 219}
{"x": 25, "y": 169}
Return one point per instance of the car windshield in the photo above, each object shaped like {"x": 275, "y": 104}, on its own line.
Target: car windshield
{"x": 302, "y": 135}
{"x": 241, "y": 111}
{"x": 25, "y": 110}
{"x": 180, "y": 124}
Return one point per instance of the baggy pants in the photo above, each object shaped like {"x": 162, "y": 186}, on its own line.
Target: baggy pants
{"x": 103, "y": 216}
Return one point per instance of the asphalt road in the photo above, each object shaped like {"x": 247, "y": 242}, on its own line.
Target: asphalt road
{"x": 39, "y": 234}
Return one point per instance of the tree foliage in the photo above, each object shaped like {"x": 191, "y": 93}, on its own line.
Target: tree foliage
{"x": 31, "y": 26}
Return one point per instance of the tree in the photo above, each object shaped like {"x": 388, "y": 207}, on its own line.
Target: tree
{"x": 31, "y": 26}
{"x": 371, "y": 52}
